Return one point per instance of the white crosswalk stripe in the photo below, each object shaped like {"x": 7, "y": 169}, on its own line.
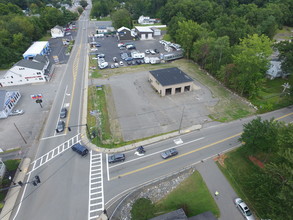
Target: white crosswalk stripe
{"x": 54, "y": 153}
{"x": 96, "y": 194}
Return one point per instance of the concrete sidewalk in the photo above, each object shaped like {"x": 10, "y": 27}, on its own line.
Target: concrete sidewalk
{"x": 216, "y": 181}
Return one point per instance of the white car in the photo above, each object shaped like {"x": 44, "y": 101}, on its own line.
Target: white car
{"x": 16, "y": 112}
{"x": 243, "y": 208}
{"x": 94, "y": 49}
{"x": 121, "y": 63}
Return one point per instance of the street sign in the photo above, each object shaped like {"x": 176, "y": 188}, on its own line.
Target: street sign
{"x": 38, "y": 96}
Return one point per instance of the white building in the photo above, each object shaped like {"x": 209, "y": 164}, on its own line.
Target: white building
{"x": 144, "y": 33}
{"x": 146, "y": 20}
{"x": 57, "y": 31}
{"x": 8, "y": 100}
{"x": 38, "y": 47}
{"x": 26, "y": 71}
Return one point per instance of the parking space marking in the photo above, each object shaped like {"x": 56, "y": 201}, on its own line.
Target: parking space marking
{"x": 96, "y": 194}
{"x": 54, "y": 153}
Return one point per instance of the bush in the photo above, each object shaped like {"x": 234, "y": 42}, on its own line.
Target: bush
{"x": 142, "y": 209}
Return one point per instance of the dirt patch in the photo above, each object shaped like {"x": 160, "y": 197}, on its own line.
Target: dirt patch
{"x": 221, "y": 159}
{"x": 256, "y": 162}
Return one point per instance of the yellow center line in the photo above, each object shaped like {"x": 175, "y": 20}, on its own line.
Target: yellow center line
{"x": 181, "y": 155}
{"x": 74, "y": 74}
{"x": 190, "y": 152}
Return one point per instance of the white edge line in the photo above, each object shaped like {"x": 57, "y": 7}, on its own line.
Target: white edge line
{"x": 21, "y": 199}
{"x": 164, "y": 176}
{"x": 148, "y": 155}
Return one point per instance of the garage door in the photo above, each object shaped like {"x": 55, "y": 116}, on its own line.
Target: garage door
{"x": 142, "y": 36}
{"x": 150, "y": 36}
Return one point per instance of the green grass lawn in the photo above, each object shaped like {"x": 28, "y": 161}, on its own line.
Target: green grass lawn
{"x": 271, "y": 97}
{"x": 192, "y": 195}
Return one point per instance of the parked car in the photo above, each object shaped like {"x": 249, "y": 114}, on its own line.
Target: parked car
{"x": 116, "y": 65}
{"x": 169, "y": 153}
{"x": 94, "y": 49}
{"x": 16, "y": 112}
{"x": 95, "y": 58}
{"x": 116, "y": 158}
{"x": 128, "y": 59}
{"x": 60, "y": 126}
{"x": 244, "y": 209}
{"x": 121, "y": 63}
{"x": 133, "y": 62}
{"x": 147, "y": 51}
{"x": 152, "y": 52}
{"x": 138, "y": 62}
{"x": 101, "y": 55}
{"x": 63, "y": 113}
{"x": 103, "y": 65}
{"x": 112, "y": 66}
{"x": 156, "y": 50}
{"x": 98, "y": 45}
{"x": 128, "y": 62}
{"x": 115, "y": 59}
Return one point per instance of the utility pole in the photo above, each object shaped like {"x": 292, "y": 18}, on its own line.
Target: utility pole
{"x": 181, "y": 119}
{"x": 20, "y": 133}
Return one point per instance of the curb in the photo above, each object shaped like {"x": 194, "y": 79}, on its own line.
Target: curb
{"x": 13, "y": 193}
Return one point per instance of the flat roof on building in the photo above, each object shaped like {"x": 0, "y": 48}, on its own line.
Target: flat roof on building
{"x": 170, "y": 76}
{"x": 144, "y": 29}
{"x": 36, "y": 48}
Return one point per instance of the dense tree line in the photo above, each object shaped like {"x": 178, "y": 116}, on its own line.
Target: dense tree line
{"x": 18, "y": 31}
{"x": 228, "y": 38}
{"x": 272, "y": 187}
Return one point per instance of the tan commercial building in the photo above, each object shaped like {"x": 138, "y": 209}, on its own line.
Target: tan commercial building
{"x": 170, "y": 81}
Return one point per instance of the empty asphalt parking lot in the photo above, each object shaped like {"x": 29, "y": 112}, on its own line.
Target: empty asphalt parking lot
{"x": 142, "y": 112}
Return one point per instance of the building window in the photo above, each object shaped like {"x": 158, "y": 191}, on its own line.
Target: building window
{"x": 38, "y": 73}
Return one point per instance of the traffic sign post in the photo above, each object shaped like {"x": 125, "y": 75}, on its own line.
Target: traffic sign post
{"x": 40, "y": 102}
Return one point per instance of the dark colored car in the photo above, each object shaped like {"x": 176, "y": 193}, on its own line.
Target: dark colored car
{"x": 128, "y": 59}
{"x": 169, "y": 153}
{"x": 138, "y": 62}
{"x": 63, "y": 113}
{"x": 60, "y": 126}
{"x": 128, "y": 62}
{"x": 116, "y": 158}
{"x": 156, "y": 50}
{"x": 78, "y": 148}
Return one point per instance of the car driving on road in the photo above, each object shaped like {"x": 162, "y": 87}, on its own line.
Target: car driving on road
{"x": 243, "y": 208}
{"x": 116, "y": 158}
{"x": 169, "y": 153}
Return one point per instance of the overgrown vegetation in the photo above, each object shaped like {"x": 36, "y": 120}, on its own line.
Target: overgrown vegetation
{"x": 261, "y": 170}
{"x": 192, "y": 195}
{"x": 19, "y": 29}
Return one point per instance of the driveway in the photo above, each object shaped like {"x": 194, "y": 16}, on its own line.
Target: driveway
{"x": 216, "y": 181}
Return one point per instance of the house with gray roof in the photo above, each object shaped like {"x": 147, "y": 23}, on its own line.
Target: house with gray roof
{"x": 26, "y": 72}
{"x": 170, "y": 81}
{"x": 8, "y": 99}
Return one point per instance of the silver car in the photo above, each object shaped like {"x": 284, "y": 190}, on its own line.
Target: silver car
{"x": 169, "y": 153}
{"x": 244, "y": 209}
{"x": 16, "y": 112}
{"x": 60, "y": 126}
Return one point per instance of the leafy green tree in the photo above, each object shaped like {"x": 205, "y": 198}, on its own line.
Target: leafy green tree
{"x": 173, "y": 25}
{"x": 251, "y": 63}
{"x": 260, "y": 136}
{"x": 121, "y": 18}
{"x": 187, "y": 33}
{"x": 83, "y": 3}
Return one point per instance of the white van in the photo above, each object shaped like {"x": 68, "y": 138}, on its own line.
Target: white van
{"x": 103, "y": 65}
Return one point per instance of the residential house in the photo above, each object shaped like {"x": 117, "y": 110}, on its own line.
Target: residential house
{"x": 147, "y": 20}
{"x": 57, "y": 31}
